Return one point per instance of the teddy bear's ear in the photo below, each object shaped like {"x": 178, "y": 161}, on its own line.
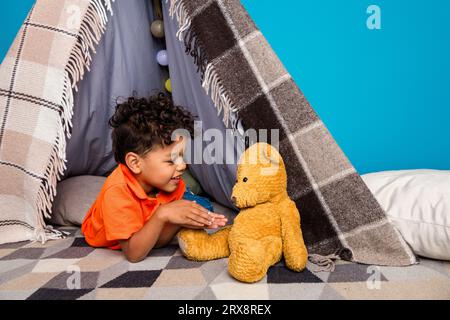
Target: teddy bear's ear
{"x": 261, "y": 153}
{"x": 269, "y": 153}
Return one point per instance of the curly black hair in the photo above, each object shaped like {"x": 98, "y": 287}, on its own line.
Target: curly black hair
{"x": 141, "y": 124}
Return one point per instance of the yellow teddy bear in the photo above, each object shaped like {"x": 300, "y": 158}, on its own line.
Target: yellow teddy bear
{"x": 267, "y": 227}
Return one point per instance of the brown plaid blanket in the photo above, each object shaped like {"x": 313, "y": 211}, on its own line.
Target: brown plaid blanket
{"x": 48, "y": 57}
{"x": 247, "y": 81}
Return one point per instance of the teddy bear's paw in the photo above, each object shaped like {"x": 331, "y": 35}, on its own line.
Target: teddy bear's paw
{"x": 297, "y": 263}
{"x": 189, "y": 241}
{"x": 247, "y": 261}
{"x": 198, "y": 245}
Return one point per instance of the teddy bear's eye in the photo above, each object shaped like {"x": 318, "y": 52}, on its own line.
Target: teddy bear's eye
{"x": 245, "y": 179}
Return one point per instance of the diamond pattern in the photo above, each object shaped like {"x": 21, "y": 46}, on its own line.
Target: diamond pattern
{"x": 284, "y": 275}
{"x": 134, "y": 279}
{"x": 58, "y": 294}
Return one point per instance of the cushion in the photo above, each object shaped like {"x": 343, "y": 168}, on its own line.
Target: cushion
{"x": 74, "y": 198}
{"x": 418, "y": 204}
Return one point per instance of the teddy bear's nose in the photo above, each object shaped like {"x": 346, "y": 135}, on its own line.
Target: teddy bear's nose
{"x": 233, "y": 199}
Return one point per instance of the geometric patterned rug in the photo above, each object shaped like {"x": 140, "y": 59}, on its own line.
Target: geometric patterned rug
{"x": 70, "y": 269}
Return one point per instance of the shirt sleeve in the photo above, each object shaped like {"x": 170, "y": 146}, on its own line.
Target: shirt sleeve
{"x": 122, "y": 215}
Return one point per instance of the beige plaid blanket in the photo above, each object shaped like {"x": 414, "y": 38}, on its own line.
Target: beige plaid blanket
{"x": 45, "y": 62}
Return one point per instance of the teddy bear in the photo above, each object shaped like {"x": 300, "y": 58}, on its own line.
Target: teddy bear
{"x": 266, "y": 228}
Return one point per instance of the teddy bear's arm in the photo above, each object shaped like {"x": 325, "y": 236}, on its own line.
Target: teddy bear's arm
{"x": 294, "y": 249}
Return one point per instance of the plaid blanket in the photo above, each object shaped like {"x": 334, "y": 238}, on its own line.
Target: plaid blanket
{"x": 48, "y": 57}
{"x": 249, "y": 85}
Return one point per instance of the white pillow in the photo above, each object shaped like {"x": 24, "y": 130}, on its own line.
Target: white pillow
{"x": 418, "y": 204}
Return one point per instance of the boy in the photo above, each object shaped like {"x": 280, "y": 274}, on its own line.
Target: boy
{"x": 140, "y": 205}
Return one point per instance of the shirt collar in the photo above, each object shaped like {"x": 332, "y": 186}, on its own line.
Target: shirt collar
{"x": 132, "y": 182}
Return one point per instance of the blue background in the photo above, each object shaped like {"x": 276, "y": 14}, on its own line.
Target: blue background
{"x": 383, "y": 94}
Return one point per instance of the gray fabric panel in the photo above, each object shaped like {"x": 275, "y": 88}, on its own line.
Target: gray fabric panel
{"x": 125, "y": 62}
{"x": 216, "y": 179}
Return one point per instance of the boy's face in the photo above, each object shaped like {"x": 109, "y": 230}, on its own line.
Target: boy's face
{"x": 162, "y": 167}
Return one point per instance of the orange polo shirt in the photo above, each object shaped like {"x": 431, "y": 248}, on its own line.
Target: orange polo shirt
{"x": 122, "y": 208}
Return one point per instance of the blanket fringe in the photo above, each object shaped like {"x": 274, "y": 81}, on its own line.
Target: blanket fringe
{"x": 48, "y": 233}
{"x": 324, "y": 263}
{"x": 91, "y": 30}
{"x": 178, "y": 9}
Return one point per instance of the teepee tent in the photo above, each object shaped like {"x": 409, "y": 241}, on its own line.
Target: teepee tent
{"x": 54, "y": 115}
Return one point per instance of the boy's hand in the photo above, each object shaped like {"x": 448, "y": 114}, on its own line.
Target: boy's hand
{"x": 219, "y": 220}
{"x": 190, "y": 214}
